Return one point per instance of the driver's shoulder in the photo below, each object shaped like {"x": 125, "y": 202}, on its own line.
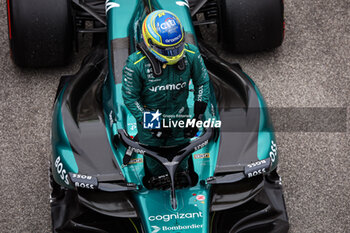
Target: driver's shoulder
{"x": 191, "y": 49}
{"x": 136, "y": 58}
{"x": 191, "y": 52}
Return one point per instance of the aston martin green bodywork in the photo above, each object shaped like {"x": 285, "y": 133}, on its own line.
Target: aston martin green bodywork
{"x": 194, "y": 211}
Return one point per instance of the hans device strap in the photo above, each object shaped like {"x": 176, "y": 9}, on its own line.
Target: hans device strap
{"x": 156, "y": 65}
{"x": 181, "y": 65}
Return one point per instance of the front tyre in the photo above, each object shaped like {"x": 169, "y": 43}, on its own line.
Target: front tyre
{"x": 40, "y": 32}
{"x": 251, "y": 25}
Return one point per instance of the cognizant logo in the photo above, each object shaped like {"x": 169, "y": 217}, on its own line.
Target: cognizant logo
{"x": 168, "y": 87}
{"x": 168, "y": 217}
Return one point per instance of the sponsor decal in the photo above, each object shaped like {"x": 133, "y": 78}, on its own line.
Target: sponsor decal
{"x": 128, "y": 69}
{"x": 179, "y": 227}
{"x": 168, "y": 87}
{"x": 61, "y": 171}
{"x": 111, "y": 119}
{"x": 151, "y": 120}
{"x": 168, "y": 217}
{"x": 110, "y": 5}
{"x": 154, "y": 80}
{"x": 83, "y": 177}
{"x": 256, "y": 168}
{"x": 139, "y": 107}
{"x": 200, "y": 197}
{"x": 135, "y": 150}
{"x": 155, "y": 229}
{"x": 128, "y": 74}
{"x": 168, "y": 24}
{"x": 185, "y": 3}
{"x": 84, "y": 181}
{"x": 200, "y": 93}
{"x": 203, "y": 144}
{"x": 173, "y": 39}
{"x": 257, "y": 172}
{"x": 161, "y": 14}
{"x": 251, "y": 165}
{"x": 134, "y": 161}
{"x": 132, "y": 126}
{"x": 201, "y": 156}
{"x": 273, "y": 152}
{"x": 84, "y": 185}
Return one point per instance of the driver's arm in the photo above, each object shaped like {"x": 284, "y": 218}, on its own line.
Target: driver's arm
{"x": 200, "y": 78}
{"x": 131, "y": 90}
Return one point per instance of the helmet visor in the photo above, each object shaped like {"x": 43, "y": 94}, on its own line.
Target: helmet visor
{"x": 169, "y": 51}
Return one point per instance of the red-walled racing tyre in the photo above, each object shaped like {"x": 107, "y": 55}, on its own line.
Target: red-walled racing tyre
{"x": 40, "y": 32}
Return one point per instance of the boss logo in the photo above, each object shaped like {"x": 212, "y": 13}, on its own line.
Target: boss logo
{"x": 84, "y": 185}
{"x": 256, "y": 163}
{"x": 83, "y": 181}
{"x": 257, "y": 168}
{"x": 61, "y": 171}
{"x": 255, "y": 173}
{"x": 78, "y": 176}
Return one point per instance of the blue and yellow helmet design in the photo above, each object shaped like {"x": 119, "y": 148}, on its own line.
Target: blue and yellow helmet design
{"x": 164, "y": 36}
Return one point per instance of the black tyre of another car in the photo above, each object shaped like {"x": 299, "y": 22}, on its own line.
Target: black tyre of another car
{"x": 40, "y": 32}
{"x": 247, "y": 26}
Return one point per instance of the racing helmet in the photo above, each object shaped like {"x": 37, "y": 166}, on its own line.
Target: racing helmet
{"x": 164, "y": 36}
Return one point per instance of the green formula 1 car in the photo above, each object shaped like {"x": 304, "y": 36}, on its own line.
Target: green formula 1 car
{"x": 100, "y": 181}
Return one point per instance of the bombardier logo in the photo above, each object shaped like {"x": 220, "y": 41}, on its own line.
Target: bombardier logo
{"x": 168, "y": 87}
{"x": 177, "y": 228}
{"x": 155, "y": 229}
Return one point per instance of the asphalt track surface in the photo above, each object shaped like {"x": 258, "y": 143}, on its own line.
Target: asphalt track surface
{"x": 311, "y": 69}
